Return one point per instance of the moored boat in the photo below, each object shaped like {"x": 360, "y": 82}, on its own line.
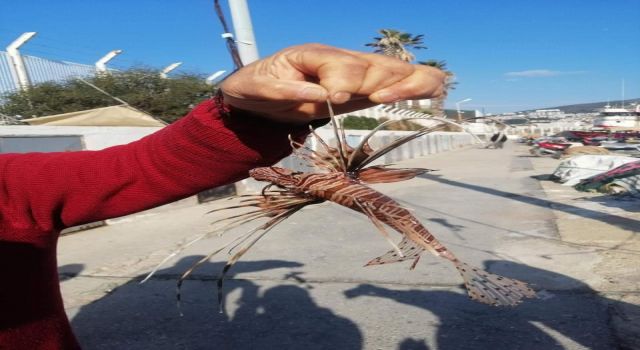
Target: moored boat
{"x": 610, "y": 117}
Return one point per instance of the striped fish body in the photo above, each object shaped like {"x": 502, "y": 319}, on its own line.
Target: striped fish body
{"x": 348, "y": 192}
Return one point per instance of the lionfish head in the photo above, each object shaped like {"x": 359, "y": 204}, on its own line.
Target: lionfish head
{"x": 274, "y": 175}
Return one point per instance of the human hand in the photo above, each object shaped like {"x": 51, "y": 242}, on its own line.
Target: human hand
{"x": 294, "y": 84}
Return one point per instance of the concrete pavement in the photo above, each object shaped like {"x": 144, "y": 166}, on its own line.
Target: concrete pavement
{"x": 303, "y": 285}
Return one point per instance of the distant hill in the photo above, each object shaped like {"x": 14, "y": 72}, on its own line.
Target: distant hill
{"x": 591, "y": 107}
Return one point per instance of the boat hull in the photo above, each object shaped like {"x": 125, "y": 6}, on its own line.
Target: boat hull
{"x": 630, "y": 122}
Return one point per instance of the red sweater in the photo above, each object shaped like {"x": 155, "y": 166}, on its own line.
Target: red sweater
{"x": 42, "y": 193}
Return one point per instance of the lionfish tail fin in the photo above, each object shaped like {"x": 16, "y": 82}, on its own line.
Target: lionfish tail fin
{"x": 493, "y": 289}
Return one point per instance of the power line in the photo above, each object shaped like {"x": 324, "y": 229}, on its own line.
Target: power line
{"x": 72, "y": 44}
{"x": 63, "y": 49}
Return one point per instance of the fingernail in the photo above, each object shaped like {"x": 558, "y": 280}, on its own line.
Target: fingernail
{"x": 341, "y": 97}
{"x": 312, "y": 94}
{"x": 388, "y": 97}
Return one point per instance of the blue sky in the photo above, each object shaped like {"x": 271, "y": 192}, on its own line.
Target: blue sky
{"x": 507, "y": 55}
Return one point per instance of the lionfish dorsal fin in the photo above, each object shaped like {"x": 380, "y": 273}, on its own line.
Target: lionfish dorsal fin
{"x": 360, "y": 158}
{"x": 359, "y": 154}
{"x": 381, "y": 174}
{"x": 340, "y": 139}
{"x": 409, "y": 249}
{"x": 326, "y": 156}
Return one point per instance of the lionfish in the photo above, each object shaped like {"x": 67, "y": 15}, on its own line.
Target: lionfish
{"x": 344, "y": 182}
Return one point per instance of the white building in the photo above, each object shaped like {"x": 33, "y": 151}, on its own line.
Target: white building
{"x": 546, "y": 114}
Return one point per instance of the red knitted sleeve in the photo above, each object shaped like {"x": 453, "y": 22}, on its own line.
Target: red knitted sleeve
{"x": 207, "y": 148}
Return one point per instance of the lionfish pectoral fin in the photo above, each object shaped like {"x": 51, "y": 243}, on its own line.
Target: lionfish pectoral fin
{"x": 259, "y": 233}
{"x": 493, "y": 289}
{"x": 409, "y": 249}
{"x": 380, "y": 174}
{"x": 277, "y": 211}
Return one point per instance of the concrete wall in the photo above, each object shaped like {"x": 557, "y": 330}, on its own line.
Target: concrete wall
{"x": 436, "y": 142}
{"x": 94, "y": 137}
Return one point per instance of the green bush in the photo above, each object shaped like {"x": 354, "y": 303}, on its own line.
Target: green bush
{"x": 359, "y": 123}
{"x": 142, "y": 88}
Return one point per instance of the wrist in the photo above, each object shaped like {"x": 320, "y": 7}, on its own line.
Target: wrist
{"x": 259, "y": 111}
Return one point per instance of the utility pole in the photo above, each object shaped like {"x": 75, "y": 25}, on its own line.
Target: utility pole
{"x": 18, "y": 70}
{"x": 241, "y": 18}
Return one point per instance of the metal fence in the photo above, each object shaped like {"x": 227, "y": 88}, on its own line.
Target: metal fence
{"x": 40, "y": 70}
{"x": 7, "y": 81}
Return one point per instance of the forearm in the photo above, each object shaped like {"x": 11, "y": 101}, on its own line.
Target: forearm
{"x": 203, "y": 150}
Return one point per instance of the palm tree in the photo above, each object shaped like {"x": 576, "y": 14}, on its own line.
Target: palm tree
{"x": 437, "y": 104}
{"x": 397, "y": 44}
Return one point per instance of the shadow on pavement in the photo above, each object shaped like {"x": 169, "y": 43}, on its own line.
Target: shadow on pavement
{"x": 136, "y": 316}
{"x": 577, "y": 316}
{"x": 69, "y": 271}
{"x": 624, "y": 201}
{"x": 413, "y": 344}
{"x": 285, "y": 316}
{"x": 447, "y": 224}
{"x": 611, "y": 219}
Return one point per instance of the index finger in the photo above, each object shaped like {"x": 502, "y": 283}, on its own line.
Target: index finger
{"x": 341, "y": 72}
